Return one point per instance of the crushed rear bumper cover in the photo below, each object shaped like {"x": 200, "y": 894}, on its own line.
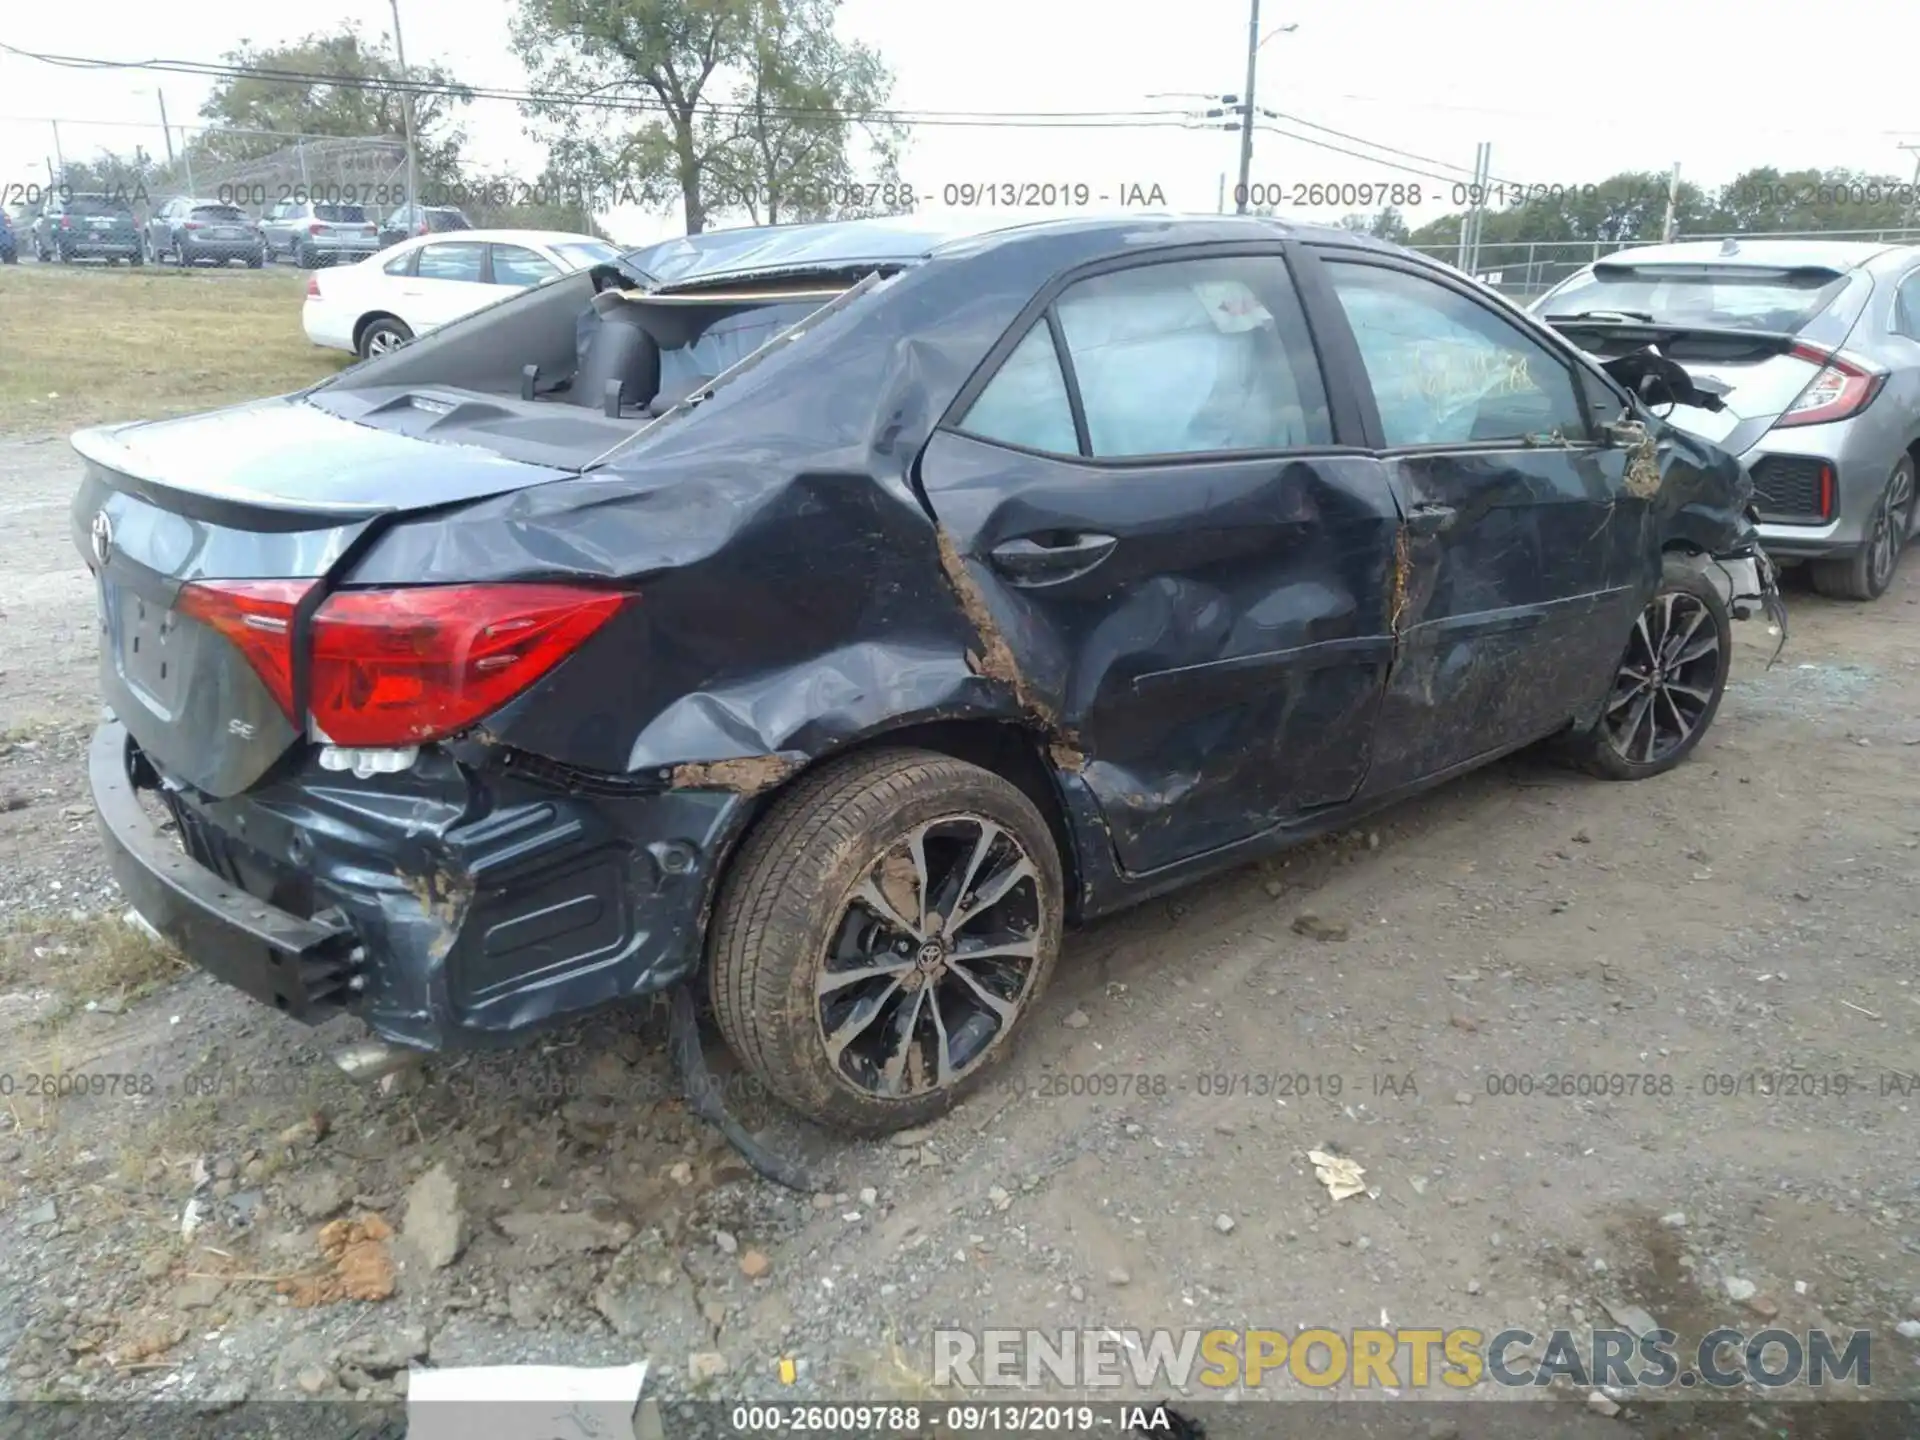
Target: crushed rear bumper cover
{"x": 286, "y": 961}
{"x": 471, "y": 901}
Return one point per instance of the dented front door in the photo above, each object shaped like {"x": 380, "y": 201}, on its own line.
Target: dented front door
{"x": 1522, "y": 551}
{"x": 1203, "y": 633}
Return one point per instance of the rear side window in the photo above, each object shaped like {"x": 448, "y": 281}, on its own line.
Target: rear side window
{"x": 1026, "y": 401}
{"x": 452, "y": 262}
{"x": 517, "y": 265}
{"x": 1183, "y": 358}
{"x": 1193, "y": 357}
{"x": 1446, "y": 370}
{"x": 1906, "y": 307}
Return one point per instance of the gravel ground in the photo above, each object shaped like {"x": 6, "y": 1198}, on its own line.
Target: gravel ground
{"x": 1141, "y": 1160}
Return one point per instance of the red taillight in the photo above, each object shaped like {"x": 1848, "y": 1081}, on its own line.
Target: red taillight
{"x": 316, "y": 228}
{"x": 193, "y": 224}
{"x": 1826, "y": 492}
{"x": 66, "y": 222}
{"x": 313, "y": 287}
{"x": 401, "y": 667}
{"x": 1843, "y": 387}
{"x": 257, "y": 616}
{"x": 423, "y": 228}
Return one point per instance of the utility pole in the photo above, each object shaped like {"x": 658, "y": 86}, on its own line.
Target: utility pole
{"x": 1673, "y": 203}
{"x": 400, "y": 50}
{"x": 58, "y": 159}
{"x": 1246, "y": 111}
{"x": 1220, "y": 206}
{"x": 1913, "y": 200}
{"x": 1468, "y": 258}
{"x": 165, "y": 129}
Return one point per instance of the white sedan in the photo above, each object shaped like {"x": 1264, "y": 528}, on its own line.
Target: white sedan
{"x": 421, "y": 284}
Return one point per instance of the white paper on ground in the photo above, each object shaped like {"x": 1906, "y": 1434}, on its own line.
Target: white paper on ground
{"x": 524, "y": 1402}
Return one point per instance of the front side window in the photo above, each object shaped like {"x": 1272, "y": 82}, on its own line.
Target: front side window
{"x": 517, "y": 265}
{"x": 1446, "y": 370}
{"x": 453, "y": 261}
{"x": 1026, "y": 401}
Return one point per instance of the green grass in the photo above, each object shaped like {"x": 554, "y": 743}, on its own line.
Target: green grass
{"x": 97, "y": 958}
{"x": 90, "y": 343}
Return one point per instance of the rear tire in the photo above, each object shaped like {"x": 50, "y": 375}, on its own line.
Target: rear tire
{"x": 915, "y": 830}
{"x": 1667, "y": 685}
{"x": 1866, "y": 574}
{"x": 305, "y": 258}
{"x": 381, "y": 337}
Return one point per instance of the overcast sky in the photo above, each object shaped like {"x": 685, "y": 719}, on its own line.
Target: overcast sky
{"x": 1567, "y": 94}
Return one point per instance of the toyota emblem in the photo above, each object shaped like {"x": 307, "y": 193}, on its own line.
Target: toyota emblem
{"x": 102, "y": 539}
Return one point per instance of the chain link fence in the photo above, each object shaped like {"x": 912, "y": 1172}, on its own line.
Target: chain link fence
{"x": 338, "y": 170}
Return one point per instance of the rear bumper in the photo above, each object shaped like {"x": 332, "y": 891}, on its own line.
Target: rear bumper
{"x": 326, "y": 325}
{"x": 456, "y": 905}
{"x": 336, "y": 244}
{"x": 1807, "y": 542}
{"x": 91, "y": 248}
{"x": 299, "y": 966}
{"x": 224, "y": 249}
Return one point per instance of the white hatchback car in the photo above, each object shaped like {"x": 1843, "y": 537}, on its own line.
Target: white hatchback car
{"x": 421, "y": 284}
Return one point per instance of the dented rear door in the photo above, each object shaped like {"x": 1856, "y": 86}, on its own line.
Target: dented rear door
{"x": 1186, "y": 577}
{"x": 1523, "y": 552}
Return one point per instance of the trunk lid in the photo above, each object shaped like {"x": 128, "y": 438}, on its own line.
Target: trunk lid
{"x": 273, "y": 491}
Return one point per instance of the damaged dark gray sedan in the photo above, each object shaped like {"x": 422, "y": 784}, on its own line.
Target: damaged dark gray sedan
{"x": 829, "y": 615}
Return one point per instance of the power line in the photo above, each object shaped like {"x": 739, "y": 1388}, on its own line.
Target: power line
{"x": 1065, "y": 119}
{"x": 1375, "y": 144}
{"x": 1370, "y": 159}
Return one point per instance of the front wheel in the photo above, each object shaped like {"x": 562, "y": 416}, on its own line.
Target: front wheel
{"x": 1866, "y": 574}
{"x": 883, "y": 933}
{"x": 1667, "y": 687}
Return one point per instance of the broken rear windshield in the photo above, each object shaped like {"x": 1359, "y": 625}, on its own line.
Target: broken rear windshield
{"x": 1723, "y": 296}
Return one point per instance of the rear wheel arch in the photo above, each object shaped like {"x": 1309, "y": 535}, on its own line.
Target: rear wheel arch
{"x": 360, "y": 325}
{"x": 1014, "y": 752}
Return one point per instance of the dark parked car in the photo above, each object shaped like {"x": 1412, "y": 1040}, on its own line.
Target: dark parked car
{"x": 197, "y": 231}
{"x": 84, "y": 227}
{"x": 411, "y": 220}
{"x": 827, "y": 615}
{"x": 9, "y": 243}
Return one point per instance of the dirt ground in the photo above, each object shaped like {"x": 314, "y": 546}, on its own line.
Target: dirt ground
{"x": 1753, "y": 913}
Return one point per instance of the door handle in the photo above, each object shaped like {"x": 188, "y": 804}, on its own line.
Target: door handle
{"x": 1430, "y": 519}
{"x": 1051, "y": 558}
